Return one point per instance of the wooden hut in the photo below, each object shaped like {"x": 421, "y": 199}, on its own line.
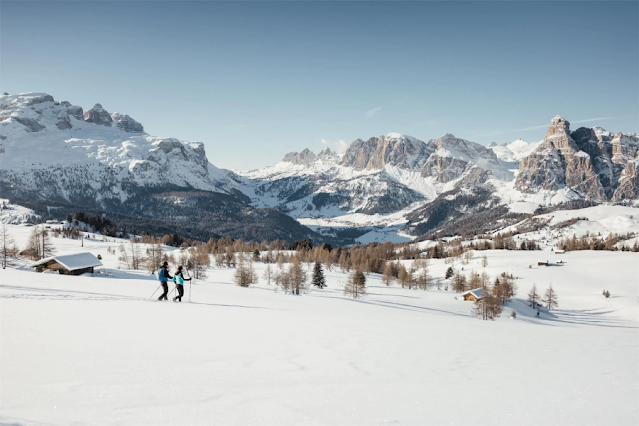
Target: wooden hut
{"x": 68, "y": 264}
{"x": 473, "y": 295}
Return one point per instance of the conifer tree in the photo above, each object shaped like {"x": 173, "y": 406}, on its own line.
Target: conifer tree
{"x": 268, "y": 273}
{"x": 459, "y": 282}
{"x": 356, "y": 285}
{"x": 7, "y": 245}
{"x": 550, "y": 299}
{"x": 388, "y": 276}
{"x": 533, "y": 296}
{"x": 449, "y": 273}
{"x": 297, "y": 277}
{"x": 318, "y": 279}
{"x": 244, "y": 274}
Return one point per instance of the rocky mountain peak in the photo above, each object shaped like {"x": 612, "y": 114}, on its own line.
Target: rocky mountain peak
{"x": 558, "y": 125}
{"x": 305, "y": 157}
{"x": 390, "y": 149}
{"x": 98, "y": 115}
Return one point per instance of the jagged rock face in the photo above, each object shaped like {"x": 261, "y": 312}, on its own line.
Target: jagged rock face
{"x": 542, "y": 169}
{"x": 453, "y": 157}
{"x": 580, "y": 176}
{"x": 624, "y": 148}
{"x": 391, "y": 149}
{"x": 126, "y": 123}
{"x": 597, "y": 145}
{"x": 304, "y": 157}
{"x": 587, "y": 161}
{"x": 444, "y": 169}
{"x": 98, "y": 115}
{"x": 628, "y": 188}
{"x": 73, "y": 110}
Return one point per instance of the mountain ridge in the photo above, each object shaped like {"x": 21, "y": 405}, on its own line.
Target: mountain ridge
{"x": 106, "y": 160}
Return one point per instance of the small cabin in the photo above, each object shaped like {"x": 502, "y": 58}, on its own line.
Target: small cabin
{"x": 68, "y": 264}
{"x": 560, "y": 251}
{"x": 542, "y": 263}
{"x": 473, "y": 295}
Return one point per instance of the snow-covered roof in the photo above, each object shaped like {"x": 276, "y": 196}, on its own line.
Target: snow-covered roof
{"x": 72, "y": 261}
{"x": 478, "y": 292}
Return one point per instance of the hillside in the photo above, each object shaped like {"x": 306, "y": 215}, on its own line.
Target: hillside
{"x": 57, "y": 159}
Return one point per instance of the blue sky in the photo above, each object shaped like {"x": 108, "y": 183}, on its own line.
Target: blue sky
{"x": 254, "y": 80}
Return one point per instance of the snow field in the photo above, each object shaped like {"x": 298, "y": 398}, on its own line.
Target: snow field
{"x": 94, "y": 350}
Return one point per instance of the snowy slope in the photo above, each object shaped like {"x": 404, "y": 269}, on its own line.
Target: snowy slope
{"x": 513, "y": 151}
{"x": 77, "y": 349}
{"x": 44, "y": 141}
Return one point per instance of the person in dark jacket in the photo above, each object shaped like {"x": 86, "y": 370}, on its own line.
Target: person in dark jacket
{"x": 164, "y": 277}
{"x": 179, "y": 279}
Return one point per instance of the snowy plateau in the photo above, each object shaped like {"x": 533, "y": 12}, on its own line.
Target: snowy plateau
{"x": 55, "y": 156}
{"x": 94, "y": 349}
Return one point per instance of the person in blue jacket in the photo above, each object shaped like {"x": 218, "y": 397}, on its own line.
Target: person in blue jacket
{"x": 164, "y": 277}
{"x": 178, "y": 279}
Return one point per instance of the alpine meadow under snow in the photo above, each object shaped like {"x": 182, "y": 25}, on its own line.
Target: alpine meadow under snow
{"x": 96, "y": 349}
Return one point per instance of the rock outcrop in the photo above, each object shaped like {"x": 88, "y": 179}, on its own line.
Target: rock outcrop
{"x": 588, "y": 161}
{"x": 453, "y": 157}
{"x": 98, "y": 115}
{"x": 392, "y": 149}
{"x": 126, "y": 123}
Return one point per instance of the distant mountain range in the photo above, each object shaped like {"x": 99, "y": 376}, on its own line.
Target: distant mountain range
{"x": 56, "y": 156}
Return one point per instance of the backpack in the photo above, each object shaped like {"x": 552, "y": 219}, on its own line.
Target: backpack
{"x": 161, "y": 274}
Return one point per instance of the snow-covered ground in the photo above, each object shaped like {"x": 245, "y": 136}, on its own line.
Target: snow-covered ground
{"x": 95, "y": 350}
{"x": 598, "y": 222}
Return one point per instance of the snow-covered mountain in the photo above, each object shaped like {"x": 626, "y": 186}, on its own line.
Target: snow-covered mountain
{"x": 381, "y": 175}
{"x": 50, "y": 147}
{"x": 57, "y": 156}
{"x": 393, "y": 179}
{"x": 513, "y": 151}
{"x": 57, "y": 152}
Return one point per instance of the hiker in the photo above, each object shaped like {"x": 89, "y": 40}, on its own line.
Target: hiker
{"x": 537, "y": 313}
{"x": 164, "y": 277}
{"x": 178, "y": 279}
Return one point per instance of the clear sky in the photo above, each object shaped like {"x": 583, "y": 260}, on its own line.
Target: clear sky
{"x": 254, "y": 80}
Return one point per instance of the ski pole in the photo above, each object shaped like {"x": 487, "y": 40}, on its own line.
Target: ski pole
{"x": 156, "y": 290}
{"x": 190, "y": 283}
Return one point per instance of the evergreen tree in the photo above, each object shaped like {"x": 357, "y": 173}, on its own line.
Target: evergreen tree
{"x": 256, "y": 255}
{"x": 484, "y": 261}
{"x": 550, "y": 298}
{"x": 449, "y": 272}
{"x": 318, "y": 279}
